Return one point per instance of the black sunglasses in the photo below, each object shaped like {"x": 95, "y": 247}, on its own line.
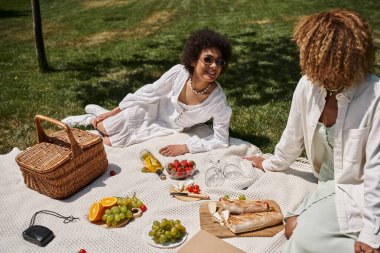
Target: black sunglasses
{"x": 208, "y": 60}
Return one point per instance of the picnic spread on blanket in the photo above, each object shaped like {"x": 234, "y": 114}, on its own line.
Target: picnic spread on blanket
{"x": 140, "y": 201}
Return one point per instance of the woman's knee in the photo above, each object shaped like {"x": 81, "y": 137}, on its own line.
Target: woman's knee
{"x": 290, "y": 225}
{"x": 101, "y": 128}
{"x": 107, "y": 141}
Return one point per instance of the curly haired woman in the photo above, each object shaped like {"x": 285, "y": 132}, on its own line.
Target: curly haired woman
{"x": 335, "y": 115}
{"x": 184, "y": 96}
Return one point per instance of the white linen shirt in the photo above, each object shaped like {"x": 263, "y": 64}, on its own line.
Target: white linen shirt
{"x": 356, "y": 151}
{"x": 154, "y": 110}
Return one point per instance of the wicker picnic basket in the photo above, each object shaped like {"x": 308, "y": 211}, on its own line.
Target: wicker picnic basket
{"x": 62, "y": 162}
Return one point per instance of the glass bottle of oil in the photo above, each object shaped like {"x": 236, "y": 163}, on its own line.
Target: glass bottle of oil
{"x": 152, "y": 163}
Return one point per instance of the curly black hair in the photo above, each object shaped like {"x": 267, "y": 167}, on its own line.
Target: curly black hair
{"x": 204, "y": 39}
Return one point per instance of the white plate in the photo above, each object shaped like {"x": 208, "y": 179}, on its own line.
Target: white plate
{"x": 167, "y": 245}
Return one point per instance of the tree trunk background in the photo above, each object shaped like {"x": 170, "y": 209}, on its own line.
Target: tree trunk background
{"x": 39, "y": 40}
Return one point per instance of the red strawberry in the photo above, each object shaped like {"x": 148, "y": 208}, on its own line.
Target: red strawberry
{"x": 184, "y": 163}
{"x": 177, "y": 164}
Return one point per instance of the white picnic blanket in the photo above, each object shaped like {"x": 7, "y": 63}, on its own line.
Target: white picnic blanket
{"x": 19, "y": 203}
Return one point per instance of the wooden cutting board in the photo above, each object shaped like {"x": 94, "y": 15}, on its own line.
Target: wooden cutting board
{"x": 136, "y": 214}
{"x": 183, "y": 198}
{"x": 223, "y": 232}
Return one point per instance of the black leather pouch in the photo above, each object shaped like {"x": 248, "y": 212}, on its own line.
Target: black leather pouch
{"x": 39, "y": 235}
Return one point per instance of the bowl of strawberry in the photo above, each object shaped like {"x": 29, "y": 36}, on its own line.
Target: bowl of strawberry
{"x": 180, "y": 169}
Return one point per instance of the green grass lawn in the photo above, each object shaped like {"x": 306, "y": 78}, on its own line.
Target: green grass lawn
{"x": 99, "y": 50}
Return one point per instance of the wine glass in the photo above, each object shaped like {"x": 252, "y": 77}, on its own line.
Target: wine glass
{"x": 232, "y": 172}
{"x": 219, "y": 171}
{"x": 214, "y": 175}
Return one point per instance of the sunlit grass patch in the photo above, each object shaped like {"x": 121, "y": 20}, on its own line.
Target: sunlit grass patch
{"x": 103, "y": 3}
{"x": 147, "y": 27}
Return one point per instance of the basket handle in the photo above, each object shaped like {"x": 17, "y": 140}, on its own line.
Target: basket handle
{"x": 42, "y": 136}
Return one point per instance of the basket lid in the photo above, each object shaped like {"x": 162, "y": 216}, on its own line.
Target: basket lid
{"x": 85, "y": 139}
{"x": 43, "y": 157}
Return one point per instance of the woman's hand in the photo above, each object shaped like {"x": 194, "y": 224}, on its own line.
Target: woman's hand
{"x": 100, "y": 118}
{"x": 103, "y": 116}
{"x": 174, "y": 150}
{"x": 257, "y": 161}
{"x": 361, "y": 247}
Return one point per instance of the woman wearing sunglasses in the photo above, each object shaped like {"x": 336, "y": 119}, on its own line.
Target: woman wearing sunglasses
{"x": 186, "y": 95}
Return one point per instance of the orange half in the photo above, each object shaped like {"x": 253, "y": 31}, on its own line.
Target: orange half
{"x": 96, "y": 212}
{"x": 108, "y": 202}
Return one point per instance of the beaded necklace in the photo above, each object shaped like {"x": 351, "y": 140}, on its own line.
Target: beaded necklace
{"x": 198, "y": 92}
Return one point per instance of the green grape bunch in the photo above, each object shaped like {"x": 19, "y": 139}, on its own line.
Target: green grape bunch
{"x": 167, "y": 231}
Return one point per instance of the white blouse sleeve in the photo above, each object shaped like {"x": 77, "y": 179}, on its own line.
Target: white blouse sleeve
{"x": 370, "y": 233}
{"x": 291, "y": 143}
{"x": 220, "y": 138}
{"x": 151, "y": 92}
